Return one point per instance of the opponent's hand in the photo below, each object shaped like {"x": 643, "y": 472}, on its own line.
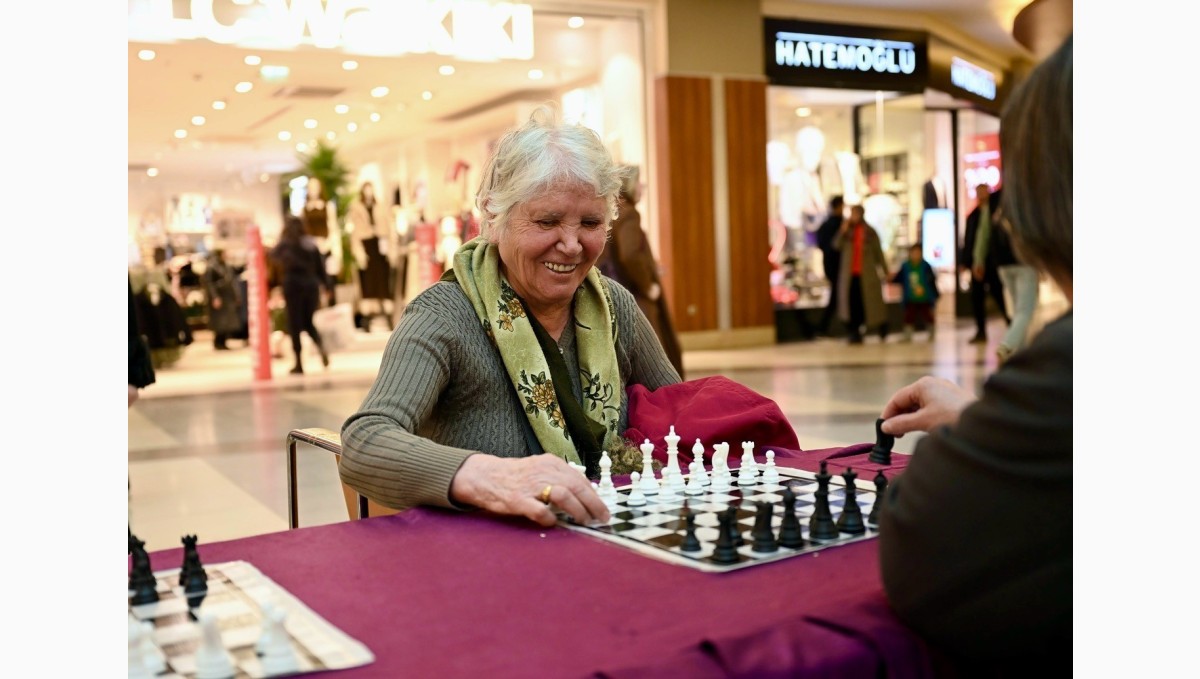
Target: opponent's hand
{"x": 515, "y": 485}
{"x": 927, "y": 403}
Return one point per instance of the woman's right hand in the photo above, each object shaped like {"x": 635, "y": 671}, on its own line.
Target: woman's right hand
{"x": 516, "y": 485}
{"x": 923, "y": 405}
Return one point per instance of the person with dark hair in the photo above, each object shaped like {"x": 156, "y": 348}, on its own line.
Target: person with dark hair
{"x": 975, "y": 536}
{"x": 302, "y": 269}
{"x": 508, "y": 377}
{"x": 978, "y": 258}
{"x": 861, "y": 274}
{"x": 224, "y": 299}
{"x": 141, "y": 366}
{"x": 831, "y": 258}
{"x": 920, "y": 295}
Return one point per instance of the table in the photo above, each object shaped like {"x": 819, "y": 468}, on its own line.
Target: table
{"x": 438, "y": 593}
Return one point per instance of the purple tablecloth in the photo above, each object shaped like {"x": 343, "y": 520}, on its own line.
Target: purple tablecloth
{"x": 436, "y": 593}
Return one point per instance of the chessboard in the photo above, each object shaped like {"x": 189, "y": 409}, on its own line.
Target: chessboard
{"x": 237, "y": 597}
{"x": 658, "y": 529}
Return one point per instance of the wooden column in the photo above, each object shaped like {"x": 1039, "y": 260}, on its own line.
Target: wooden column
{"x": 746, "y": 161}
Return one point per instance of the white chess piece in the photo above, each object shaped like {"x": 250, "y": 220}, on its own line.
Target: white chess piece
{"x": 649, "y": 484}
{"x": 610, "y": 502}
{"x": 212, "y": 660}
{"x": 698, "y": 456}
{"x": 666, "y": 493}
{"x": 636, "y": 497}
{"x": 155, "y": 660}
{"x": 278, "y": 656}
{"x": 747, "y": 472}
{"x": 721, "y": 475}
{"x": 137, "y": 659}
{"x": 579, "y": 468}
{"x": 607, "y": 489}
{"x": 672, "y": 440}
{"x": 264, "y": 636}
{"x": 694, "y": 485}
{"x": 770, "y": 472}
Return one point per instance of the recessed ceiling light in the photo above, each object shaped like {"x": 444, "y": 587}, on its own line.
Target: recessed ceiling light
{"x": 341, "y": 108}
{"x": 310, "y": 123}
{"x": 180, "y": 134}
{"x": 349, "y": 64}
{"x": 301, "y": 147}
{"x": 803, "y": 112}
{"x": 374, "y": 117}
{"x": 535, "y": 74}
{"x": 219, "y": 105}
{"x": 284, "y": 135}
{"x": 575, "y": 22}
{"x": 146, "y": 55}
{"x": 243, "y": 87}
{"x": 350, "y": 127}
{"x": 427, "y": 95}
{"x": 331, "y": 135}
{"x": 274, "y": 72}
{"x": 446, "y": 69}
{"x": 380, "y": 91}
{"x": 197, "y": 120}
{"x": 264, "y": 177}
{"x": 152, "y": 171}
{"x": 252, "y": 60}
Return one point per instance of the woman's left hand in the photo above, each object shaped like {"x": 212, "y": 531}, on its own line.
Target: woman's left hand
{"x": 527, "y": 486}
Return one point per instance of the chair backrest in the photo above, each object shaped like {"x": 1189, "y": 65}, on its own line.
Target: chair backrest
{"x": 357, "y": 506}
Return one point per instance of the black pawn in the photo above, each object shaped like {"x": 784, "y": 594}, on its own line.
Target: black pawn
{"x": 690, "y": 542}
{"x": 734, "y": 529}
{"x": 881, "y": 452}
{"x": 851, "y": 519}
{"x": 764, "y": 537}
{"x": 881, "y": 483}
{"x": 724, "y": 550}
{"x": 192, "y": 576}
{"x": 789, "y": 529}
{"x": 821, "y": 525}
{"x": 142, "y": 582}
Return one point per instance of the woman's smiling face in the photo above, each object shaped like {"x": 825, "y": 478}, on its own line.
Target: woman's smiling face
{"x": 551, "y": 242}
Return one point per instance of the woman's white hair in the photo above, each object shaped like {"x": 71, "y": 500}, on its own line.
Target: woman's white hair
{"x": 543, "y": 153}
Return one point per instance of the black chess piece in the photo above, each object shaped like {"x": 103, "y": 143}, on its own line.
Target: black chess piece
{"x": 821, "y": 525}
{"x": 789, "y": 529}
{"x": 142, "y": 582}
{"x": 735, "y": 531}
{"x": 881, "y": 452}
{"x": 724, "y": 550}
{"x": 191, "y": 561}
{"x": 690, "y": 542}
{"x": 851, "y": 519}
{"x": 764, "y": 537}
{"x": 881, "y": 484}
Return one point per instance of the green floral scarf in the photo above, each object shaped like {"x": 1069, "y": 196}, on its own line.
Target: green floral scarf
{"x": 477, "y": 270}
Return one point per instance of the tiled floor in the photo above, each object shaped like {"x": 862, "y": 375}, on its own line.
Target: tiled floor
{"x": 206, "y": 442}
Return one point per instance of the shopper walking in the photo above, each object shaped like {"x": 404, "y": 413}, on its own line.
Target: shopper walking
{"x": 302, "y": 268}
{"x": 985, "y": 278}
{"x": 1020, "y": 282}
{"x": 831, "y": 258}
{"x": 861, "y": 274}
{"x": 224, "y": 299}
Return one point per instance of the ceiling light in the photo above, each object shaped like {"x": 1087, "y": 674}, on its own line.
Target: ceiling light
{"x": 264, "y": 177}
{"x": 380, "y": 91}
{"x": 575, "y": 22}
{"x": 374, "y": 117}
{"x": 243, "y": 87}
{"x": 274, "y": 73}
{"x": 427, "y": 95}
{"x": 331, "y": 135}
{"x": 180, "y": 134}
{"x": 447, "y": 69}
{"x": 342, "y": 108}
{"x": 803, "y": 112}
{"x": 535, "y": 74}
{"x": 197, "y": 120}
{"x": 152, "y": 171}
{"x": 349, "y": 64}
{"x": 301, "y": 147}
{"x": 252, "y": 60}
{"x": 350, "y": 127}
{"x": 219, "y": 105}
{"x": 284, "y": 135}
{"x": 146, "y": 55}
{"x": 310, "y": 123}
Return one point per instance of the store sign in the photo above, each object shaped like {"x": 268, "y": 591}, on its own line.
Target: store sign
{"x": 812, "y": 54}
{"x": 479, "y": 30}
{"x": 981, "y": 163}
{"x": 973, "y": 79}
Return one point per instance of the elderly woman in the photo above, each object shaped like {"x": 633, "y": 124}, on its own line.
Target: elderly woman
{"x": 516, "y": 363}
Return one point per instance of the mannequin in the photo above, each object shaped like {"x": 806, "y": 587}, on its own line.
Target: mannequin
{"x": 449, "y": 242}
{"x": 320, "y": 222}
{"x": 802, "y": 201}
{"x": 373, "y": 242}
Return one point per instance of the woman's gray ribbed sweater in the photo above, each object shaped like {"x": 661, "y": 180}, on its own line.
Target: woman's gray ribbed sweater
{"x": 443, "y": 394}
